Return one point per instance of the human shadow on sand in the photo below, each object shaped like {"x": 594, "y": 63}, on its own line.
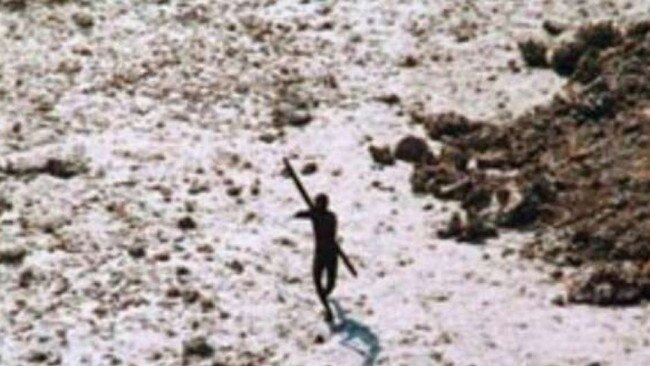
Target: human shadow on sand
{"x": 358, "y": 337}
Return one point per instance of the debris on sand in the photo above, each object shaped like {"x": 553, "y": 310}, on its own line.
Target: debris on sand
{"x": 600, "y": 35}
{"x": 187, "y": 223}
{"x": 12, "y": 255}
{"x": 14, "y": 5}
{"x": 83, "y": 19}
{"x": 534, "y": 52}
{"x": 288, "y": 115}
{"x": 609, "y": 285}
{"x": 197, "y": 347}
{"x": 544, "y": 170}
{"x": 412, "y": 149}
{"x": 309, "y": 168}
{"x": 588, "y": 42}
{"x": 55, "y": 167}
{"x": 381, "y": 155}
{"x": 565, "y": 57}
{"x": 554, "y": 27}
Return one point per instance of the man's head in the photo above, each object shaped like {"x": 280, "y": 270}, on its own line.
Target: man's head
{"x": 321, "y": 202}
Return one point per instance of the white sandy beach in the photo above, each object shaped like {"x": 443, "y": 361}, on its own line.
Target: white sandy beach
{"x": 167, "y": 103}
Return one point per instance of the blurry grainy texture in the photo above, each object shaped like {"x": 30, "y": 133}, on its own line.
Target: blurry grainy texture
{"x": 145, "y": 219}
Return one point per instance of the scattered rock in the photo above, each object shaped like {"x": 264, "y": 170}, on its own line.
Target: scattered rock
{"x": 64, "y": 169}
{"x": 381, "y": 155}
{"x": 37, "y": 356}
{"x": 5, "y": 205}
{"x": 83, "y": 19}
{"x": 390, "y": 99}
{"x": 638, "y": 29}
{"x": 558, "y": 300}
{"x": 607, "y": 285}
{"x": 268, "y": 137}
{"x": 600, "y": 35}
{"x": 26, "y": 278}
{"x": 197, "y": 347}
{"x": 137, "y": 251}
{"x": 309, "y": 168}
{"x": 14, "y": 5}
{"x": 187, "y": 223}
{"x": 287, "y": 114}
{"x": 465, "y": 31}
{"x": 12, "y": 255}
{"x": 190, "y": 296}
{"x": 523, "y": 210}
{"x": 477, "y": 229}
{"x": 543, "y": 171}
{"x": 412, "y": 149}
{"x": 56, "y": 167}
{"x": 554, "y": 27}
{"x": 234, "y": 191}
{"x": 173, "y": 292}
{"x": 588, "y": 68}
{"x": 565, "y": 57}
{"x": 448, "y": 125}
{"x": 162, "y": 256}
{"x": 236, "y": 266}
{"x": 454, "y": 228}
{"x": 534, "y": 52}
{"x": 409, "y": 61}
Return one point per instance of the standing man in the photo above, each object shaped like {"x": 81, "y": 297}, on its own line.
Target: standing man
{"x": 326, "y": 254}
{"x": 327, "y": 249}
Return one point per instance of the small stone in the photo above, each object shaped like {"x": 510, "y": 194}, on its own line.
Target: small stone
{"x": 409, "y": 61}
{"x": 268, "y": 138}
{"x": 173, "y": 292}
{"x": 5, "y": 205}
{"x": 319, "y": 339}
{"x": 309, "y": 168}
{"x": 187, "y": 223}
{"x": 534, "y": 52}
{"x": 565, "y": 57}
{"x": 12, "y": 255}
{"x": 83, "y": 19}
{"x": 137, "y": 251}
{"x": 557, "y": 274}
{"x": 412, "y": 149}
{"x": 553, "y": 27}
{"x": 390, "y": 99}
{"x": 287, "y": 114}
{"x": 448, "y": 125}
{"x": 15, "y": 5}
{"x": 236, "y": 266}
{"x": 234, "y": 191}
{"x": 64, "y": 169}
{"x": 38, "y": 357}
{"x": 197, "y": 347}
{"x": 182, "y": 271}
{"x": 25, "y": 278}
{"x": 454, "y": 227}
{"x": 191, "y": 296}
{"x": 162, "y": 257}
{"x": 638, "y": 29}
{"x": 600, "y": 35}
{"x": 207, "y": 305}
{"x": 381, "y": 155}
{"x": 558, "y": 300}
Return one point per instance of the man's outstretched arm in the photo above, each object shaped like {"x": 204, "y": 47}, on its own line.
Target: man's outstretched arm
{"x": 303, "y": 214}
